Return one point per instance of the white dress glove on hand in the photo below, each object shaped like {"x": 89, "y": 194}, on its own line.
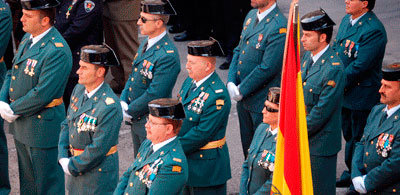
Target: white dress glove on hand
{"x": 126, "y": 116}
{"x": 359, "y": 185}
{"x": 237, "y": 97}
{"x": 6, "y": 112}
{"x": 64, "y": 164}
{"x": 231, "y": 87}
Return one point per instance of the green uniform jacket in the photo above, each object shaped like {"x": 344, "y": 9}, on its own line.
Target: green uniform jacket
{"x": 36, "y": 79}
{"x": 369, "y": 159}
{"x": 257, "y": 60}
{"x": 92, "y": 127}
{"x": 257, "y": 179}
{"x": 207, "y": 110}
{"x": 363, "y": 71}
{"x": 153, "y": 76}
{"x": 323, "y": 85}
{"x": 162, "y": 172}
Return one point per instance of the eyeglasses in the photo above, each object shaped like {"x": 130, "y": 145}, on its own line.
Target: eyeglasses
{"x": 269, "y": 109}
{"x": 144, "y": 20}
{"x": 153, "y": 123}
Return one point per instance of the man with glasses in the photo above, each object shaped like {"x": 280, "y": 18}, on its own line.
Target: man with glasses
{"x": 259, "y": 165}
{"x": 207, "y": 106}
{"x": 323, "y": 83}
{"x": 360, "y": 44}
{"x": 87, "y": 150}
{"x": 31, "y": 98}
{"x": 160, "y": 166}
{"x": 155, "y": 68}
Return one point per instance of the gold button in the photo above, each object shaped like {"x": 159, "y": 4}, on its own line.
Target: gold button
{"x": 137, "y": 173}
{"x": 130, "y": 88}
{"x": 240, "y": 62}
{"x": 190, "y": 118}
{"x": 310, "y": 90}
{"x": 16, "y": 66}
{"x": 201, "y": 156}
{"x": 304, "y": 84}
{"x": 358, "y": 83}
{"x": 341, "y": 44}
{"x": 254, "y": 156}
{"x": 238, "y": 72}
{"x": 366, "y": 154}
{"x": 337, "y": 53}
{"x": 365, "y": 165}
{"x": 394, "y": 190}
{"x": 72, "y": 136}
{"x": 100, "y": 170}
{"x": 174, "y": 149}
{"x": 247, "y": 42}
{"x": 135, "y": 69}
{"x": 13, "y": 77}
{"x": 11, "y": 89}
{"x": 38, "y": 116}
{"x": 243, "y": 52}
{"x": 127, "y": 193}
{"x": 131, "y": 184}
{"x": 372, "y": 142}
{"x": 132, "y": 79}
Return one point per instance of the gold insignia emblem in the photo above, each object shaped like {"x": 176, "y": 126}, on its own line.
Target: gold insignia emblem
{"x": 58, "y": 44}
{"x": 109, "y": 101}
{"x": 219, "y": 102}
{"x": 219, "y": 91}
{"x": 176, "y": 169}
{"x": 170, "y": 51}
{"x": 282, "y": 30}
{"x": 336, "y": 63}
{"x": 332, "y": 83}
{"x": 248, "y": 21}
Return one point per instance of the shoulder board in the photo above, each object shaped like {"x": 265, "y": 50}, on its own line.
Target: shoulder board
{"x": 109, "y": 101}
{"x": 170, "y": 51}
{"x": 336, "y": 63}
{"x": 177, "y": 159}
{"x": 58, "y": 44}
{"x": 219, "y": 91}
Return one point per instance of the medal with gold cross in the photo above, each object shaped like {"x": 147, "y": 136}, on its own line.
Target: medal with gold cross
{"x": 33, "y": 64}
{"x": 260, "y": 37}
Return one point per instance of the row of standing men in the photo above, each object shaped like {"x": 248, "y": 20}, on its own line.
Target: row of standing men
{"x": 255, "y": 68}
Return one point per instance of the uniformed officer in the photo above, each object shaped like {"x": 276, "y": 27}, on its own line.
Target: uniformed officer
{"x": 376, "y": 162}
{"x": 360, "y": 44}
{"x": 160, "y": 166}
{"x": 87, "y": 150}
{"x": 323, "y": 84}
{"x": 207, "y": 106}
{"x": 259, "y": 165}
{"x": 5, "y": 34}
{"x": 155, "y": 68}
{"x": 79, "y": 23}
{"x": 256, "y": 65}
{"x": 31, "y": 98}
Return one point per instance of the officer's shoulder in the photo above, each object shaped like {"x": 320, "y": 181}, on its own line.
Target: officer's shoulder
{"x": 378, "y": 108}
{"x": 334, "y": 61}
{"x": 217, "y": 87}
{"x": 167, "y": 47}
{"x": 371, "y": 23}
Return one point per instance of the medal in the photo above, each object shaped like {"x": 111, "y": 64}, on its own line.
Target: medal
{"x": 260, "y": 37}
{"x": 351, "y": 48}
{"x": 33, "y": 64}
{"x": 356, "y": 53}
{"x": 345, "y": 47}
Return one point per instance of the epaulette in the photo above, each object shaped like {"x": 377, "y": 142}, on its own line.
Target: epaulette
{"x": 168, "y": 48}
{"x": 109, "y": 101}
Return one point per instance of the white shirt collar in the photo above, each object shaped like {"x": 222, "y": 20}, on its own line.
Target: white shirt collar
{"x": 154, "y": 40}
{"x": 391, "y": 111}
{"x": 202, "y": 80}
{"x": 37, "y": 38}
{"x": 162, "y": 144}
{"x": 355, "y": 20}
{"x": 319, "y": 54}
{"x": 273, "y": 132}
{"x": 94, "y": 91}
{"x": 261, "y": 16}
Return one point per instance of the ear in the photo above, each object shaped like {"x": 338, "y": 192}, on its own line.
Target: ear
{"x": 208, "y": 66}
{"x": 170, "y": 129}
{"x": 45, "y": 21}
{"x": 100, "y": 72}
{"x": 322, "y": 37}
{"x": 365, "y": 4}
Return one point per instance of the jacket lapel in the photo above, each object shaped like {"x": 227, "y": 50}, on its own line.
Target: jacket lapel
{"x": 158, "y": 154}
{"x": 386, "y": 125}
{"x": 261, "y": 25}
{"x": 88, "y": 105}
{"x": 199, "y": 89}
{"x": 35, "y": 49}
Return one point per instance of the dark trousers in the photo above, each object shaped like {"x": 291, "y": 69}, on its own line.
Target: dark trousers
{"x": 209, "y": 190}
{"x": 323, "y": 170}
{"x": 353, "y": 124}
{"x": 5, "y": 187}
{"x": 138, "y": 132}
{"x": 39, "y": 172}
{"x": 248, "y": 122}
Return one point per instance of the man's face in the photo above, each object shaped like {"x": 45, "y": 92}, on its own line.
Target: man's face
{"x": 149, "y": 27}
{"x": 390, "y": 93}
{"x": 270, "y": 117}
{"x": 310, "y": 40}
{"x": 88, "y": 73}
{"x": 31, "y": 21}
{"x": 156, "y": 129}
{"x": 259, "y": 3}
{"x": 196, "y": 67}
{"x": 355, "y": 7}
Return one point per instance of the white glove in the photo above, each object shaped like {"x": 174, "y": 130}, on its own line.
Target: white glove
{"x": 230, "y": 87}
{"x": 124, "y": 106}
{"x": 359, "y": 185}
{"x": 64, "y": 164}
{"x": 237, "y": 97}
{"x": 126, "y": 116}
{"x": 6, "y": 112}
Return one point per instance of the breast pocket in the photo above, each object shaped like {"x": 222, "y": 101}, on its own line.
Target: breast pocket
{"x": 255, "y": 51}
{"x": 311, "y": 95}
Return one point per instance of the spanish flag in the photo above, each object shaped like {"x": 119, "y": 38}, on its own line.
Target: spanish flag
{"x": 292, "y": 174}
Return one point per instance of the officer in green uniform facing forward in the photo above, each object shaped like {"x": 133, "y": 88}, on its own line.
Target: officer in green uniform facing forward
{"x": 207, "y": 106}
{"x": 87, "y": 150}
{"x": 5, "y": 34}
{"x": 31, "y": 98}
{"x": 259, "y": 165}
{"x": 155, "y": 68}
{"x": 160, "y": 166}
{"x": 376, "y": 161}
{"x": 323, "y": 84}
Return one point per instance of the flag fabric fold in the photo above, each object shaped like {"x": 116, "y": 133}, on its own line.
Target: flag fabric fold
{"x": 292, "y": 173}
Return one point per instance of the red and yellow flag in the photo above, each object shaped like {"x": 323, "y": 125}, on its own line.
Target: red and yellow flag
{"x": 292, "y": 174}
